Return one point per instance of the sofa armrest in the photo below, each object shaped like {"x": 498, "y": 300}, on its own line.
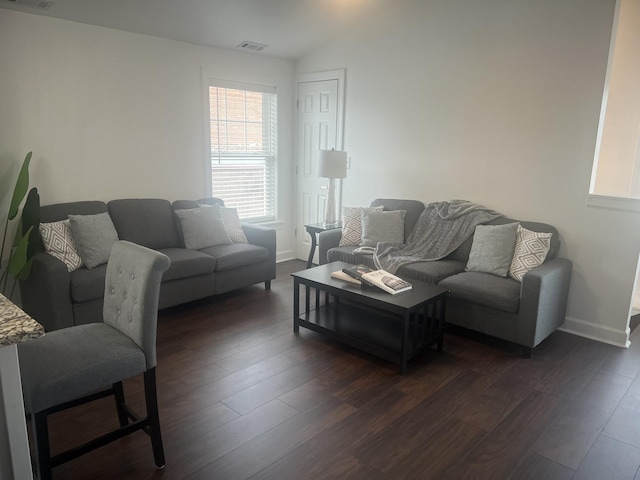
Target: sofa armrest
{"x": 46, "y": 294}
{"x": 263, "y": 237}
{"x": 543, "y": 301}
{"x": 326, "y": 241}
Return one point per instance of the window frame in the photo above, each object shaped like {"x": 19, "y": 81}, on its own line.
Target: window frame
{"x": 272, "y": 169}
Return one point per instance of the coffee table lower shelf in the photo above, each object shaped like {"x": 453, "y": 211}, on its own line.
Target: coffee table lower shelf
{"x": 372, "y": 332}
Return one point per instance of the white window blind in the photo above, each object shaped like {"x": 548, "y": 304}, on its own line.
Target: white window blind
{"x": 243, "y": 127}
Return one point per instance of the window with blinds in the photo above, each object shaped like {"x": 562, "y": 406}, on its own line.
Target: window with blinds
{"x": 243, "y": 128}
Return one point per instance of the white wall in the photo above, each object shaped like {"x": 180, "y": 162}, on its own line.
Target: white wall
{"x": 497, "y": 102}
{"x": 110, "y": 114}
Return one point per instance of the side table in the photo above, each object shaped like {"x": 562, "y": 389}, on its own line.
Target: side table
{"x": 313, "y": 229}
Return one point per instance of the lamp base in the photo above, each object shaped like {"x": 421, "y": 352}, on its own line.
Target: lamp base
{"x": 330, "y": 207}
{"x": 331, "y": 225}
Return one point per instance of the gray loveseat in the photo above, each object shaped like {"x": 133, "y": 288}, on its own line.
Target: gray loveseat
{"x": 523, "y": 313}
{"x": 58, "y": 298}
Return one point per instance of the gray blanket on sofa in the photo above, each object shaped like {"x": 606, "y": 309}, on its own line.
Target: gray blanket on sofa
{"x": 441, "y": 228}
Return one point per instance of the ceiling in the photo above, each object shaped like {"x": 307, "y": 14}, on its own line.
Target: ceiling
{"x": 290, "y": 28}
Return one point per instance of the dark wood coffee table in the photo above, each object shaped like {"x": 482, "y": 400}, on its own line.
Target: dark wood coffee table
{"x": 393, "y": 327}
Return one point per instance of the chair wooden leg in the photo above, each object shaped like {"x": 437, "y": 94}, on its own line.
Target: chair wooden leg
{"x": 267, "y": 285}
{"x": 526, "y": 352}
{"x": 151, "y": 399}
{"x": 118, "y": 394}
{"x": 41, "y": 440}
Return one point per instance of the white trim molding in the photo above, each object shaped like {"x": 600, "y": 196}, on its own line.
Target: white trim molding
{"x": 614, "y": 203}
{"x": 596, "y": 332}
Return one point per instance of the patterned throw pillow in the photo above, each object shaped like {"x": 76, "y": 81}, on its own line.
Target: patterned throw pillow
{"x": 232, "y": 224}
{"x": 58, "y": 242}
{"x": 352, "y": 225}
{"x": 530, "y": 252}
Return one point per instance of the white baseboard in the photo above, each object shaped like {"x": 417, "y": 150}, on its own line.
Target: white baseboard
{"x": 284, "y": 256}
{"x": 593, "y": 331}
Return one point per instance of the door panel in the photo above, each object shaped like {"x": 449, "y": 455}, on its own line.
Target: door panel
{"x": 318, "y": 129}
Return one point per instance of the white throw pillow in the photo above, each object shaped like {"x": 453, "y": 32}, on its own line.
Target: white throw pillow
{"x": 58, "y": 242}
{"x": 379, "y": 226}
{"x": 492, "y": 249}
{"x": 94, "y": 236}
{"x": 232, "y": 224}
{"x": 202, "y": 227}
{"x": 531, "y": 251}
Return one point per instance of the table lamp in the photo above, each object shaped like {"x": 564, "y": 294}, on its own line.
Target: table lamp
{"x": 332, "y": 164}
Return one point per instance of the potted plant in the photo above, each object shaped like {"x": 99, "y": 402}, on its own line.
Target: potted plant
{"x": 21, "y": 251}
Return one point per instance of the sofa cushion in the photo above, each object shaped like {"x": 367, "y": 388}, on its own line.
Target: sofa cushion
{"x": 432, "y": 272}
{"x": 149, "y": 222}
{"x": 187, "y": 263}
{"x": 381, "y": 226}
{"x": 94, "y": 236}
{"x": 87, "y": 284}
{"x": 345, "y": 254}
{"x": 501, "y": 293}
{"x": 492, "y": 249}
{"x": 236, "y": 255}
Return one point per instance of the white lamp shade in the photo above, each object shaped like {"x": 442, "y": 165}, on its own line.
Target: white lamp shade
{"x": 332, "y": 164}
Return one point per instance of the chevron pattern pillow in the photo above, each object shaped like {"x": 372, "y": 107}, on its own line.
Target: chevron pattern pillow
{"x": 58, "y": 242}
{"x": 232, "y": 224}
{"x": 531, "y": 250}
{"x": 352, "y": 225}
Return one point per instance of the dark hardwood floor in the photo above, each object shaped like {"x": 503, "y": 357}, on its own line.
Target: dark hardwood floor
{"x": 242, "y": 397}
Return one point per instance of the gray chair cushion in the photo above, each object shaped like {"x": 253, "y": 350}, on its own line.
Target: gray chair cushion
{"x": 432, "y": 272}
{"x": 131, "y": 294}
{"x": 87, "y": 284}
{"x": 148, "y": 222}
{"x": 95, "y": 356}
{"x": 187, "y": 263}
{"x": 501, "y": 293}
{"x": 236, "y": 255}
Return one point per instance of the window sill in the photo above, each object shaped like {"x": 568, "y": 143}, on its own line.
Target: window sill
{"x": 277, "y": 224}
{"x": 614, "y": 203}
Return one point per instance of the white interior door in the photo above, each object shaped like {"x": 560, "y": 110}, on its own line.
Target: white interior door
{"x": 319, "y": 128}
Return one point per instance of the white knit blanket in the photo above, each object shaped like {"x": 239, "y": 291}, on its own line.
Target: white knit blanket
{"x": 441, "y": 228}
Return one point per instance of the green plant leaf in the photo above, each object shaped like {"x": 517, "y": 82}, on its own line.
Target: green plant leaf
{"x": 30, "y": 218}
{"x": 18, "y": 258}
{"x": 26, "y": 270}
{"x": 20, "y": 190}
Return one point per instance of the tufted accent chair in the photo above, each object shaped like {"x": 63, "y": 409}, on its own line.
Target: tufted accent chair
{"x": 72, "y": 366}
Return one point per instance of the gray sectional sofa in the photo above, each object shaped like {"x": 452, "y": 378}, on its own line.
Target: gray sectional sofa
{"x": 524, "y": 313}
{"x": 58, "y": 298}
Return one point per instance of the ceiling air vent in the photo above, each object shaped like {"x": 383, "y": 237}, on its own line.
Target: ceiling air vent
{"x": 256, "y": 47}
{"x": 41, "y": 4}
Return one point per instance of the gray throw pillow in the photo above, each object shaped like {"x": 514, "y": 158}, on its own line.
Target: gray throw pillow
{"x": 382, "y": 226}
{"x": 492, "y": 249}
{"x": 202, "y": 227}
{"x": 94, "y": 236}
